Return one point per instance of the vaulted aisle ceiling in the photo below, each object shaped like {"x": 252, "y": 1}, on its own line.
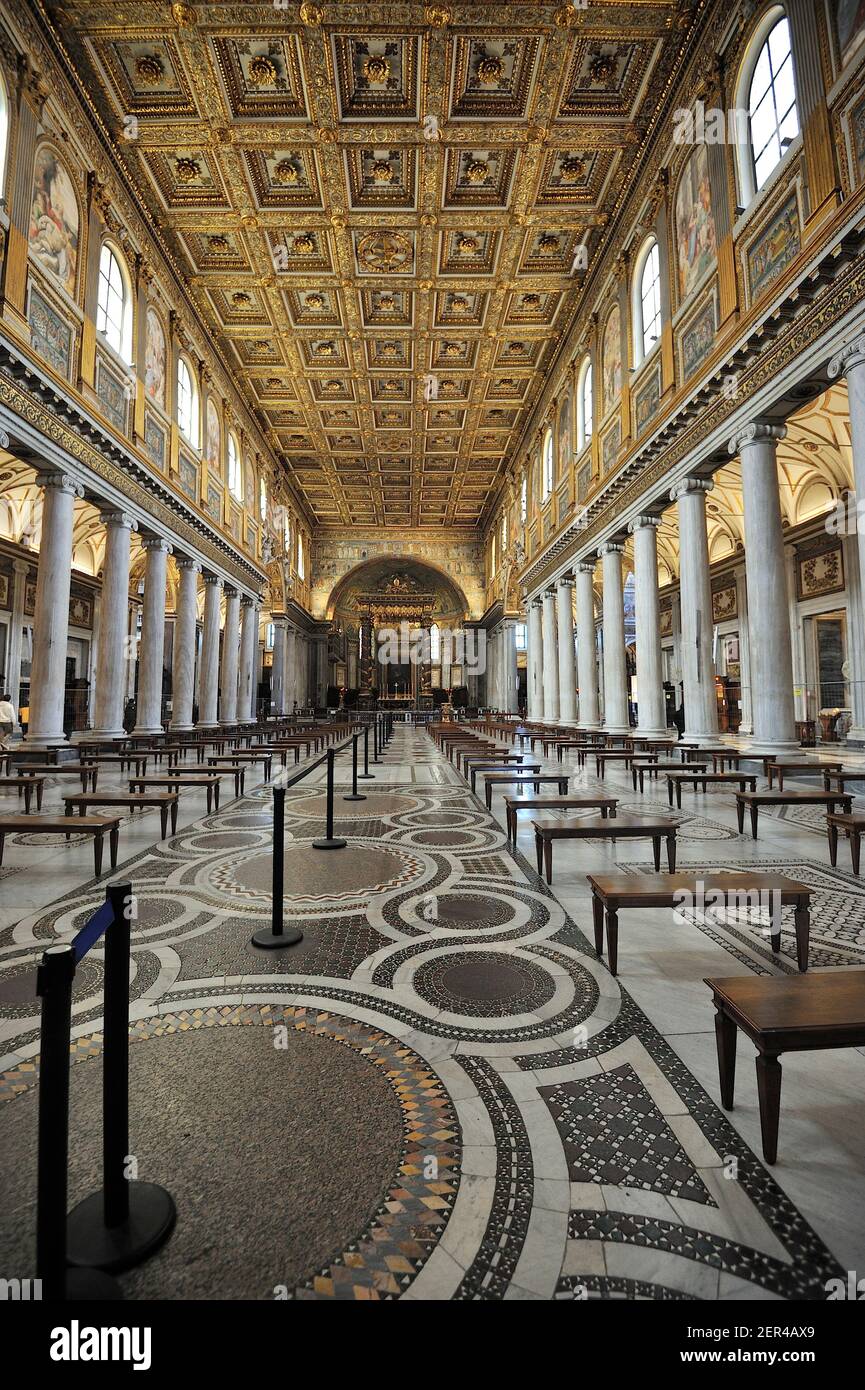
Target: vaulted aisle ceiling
{"x": 368, "y": 211}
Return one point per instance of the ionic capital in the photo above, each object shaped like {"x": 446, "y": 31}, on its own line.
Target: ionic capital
{"x": 61, "y": 482}
{"x": 118, "y": 519}
{"x": 640, "y": 523}
{"x": 757, "y": 432}
{"x": 610, "y": 548}
{"x": 567, "y": 581}
{"x": 585, "y": 567}
{"x": 156, "y": 543}
{"x": 185, "y": 562}
{"x": 851, "y": 355}
{"x": 690, "y": 486}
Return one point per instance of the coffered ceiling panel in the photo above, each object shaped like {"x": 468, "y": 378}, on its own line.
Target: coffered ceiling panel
{"x": 378, "y": 210}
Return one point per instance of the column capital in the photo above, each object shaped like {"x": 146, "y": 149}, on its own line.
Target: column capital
{"x": 585, "y": 567}
{"x": 246, "y": 601}
{"x": 537, "y": 603}
{"x": 118, "y": 518}
{"x": 689, "y": 486}
{"x": 230, "y": 591}
{"x": 156, "y": 543}
{"x": 850, "y": 355}
{"x": 567, "y": 581}
{"x": 20, "y": 567}
{"x": 186, "y": 562}
{"x": 757, "y": 432}
{"x": 550, "y": 591}
{"x": 640, "y": 523}
{"x": 212, "y": 579}
{"x": 610, "y": 548}
{"x": 62, "y": 482}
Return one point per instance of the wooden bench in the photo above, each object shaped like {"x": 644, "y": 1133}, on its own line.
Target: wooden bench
{"x": 88, "y": 772}
{"x": 754, "y": 800}
{"x": 164, "y": 802}
{"x": 513, "y": 804}
{"x": 605, "y": 828}
{"x": 522, "y": 779}
{"x": 773, "y": 769}
{"x": 853, "y": 824}
{"x": 125, "y": 760}
{"x": 727, "y": 759}
{"x": 612, "y": 892}
{"x": 210, "y": 785}
{"x": 680, "y": 779}
{"x": 241, "y": 759}
{"x": 475, "y": 768}
{"x": 622, "y": 755}
{"x": 26, "y": 786}
{"x": 800, "y": 1013}
{"x": 491, "y": 751}
{"x": 640, "y": 766}
{"x": 841, "y": 777}
{"x": 60, "y": 825}
{"x": 564, "y": 744}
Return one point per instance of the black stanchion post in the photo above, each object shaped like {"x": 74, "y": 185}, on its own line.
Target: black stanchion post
{"x": 54, "y": 987}
{"x": 355, "y": 794}
{"x": 366, "y": 775}
{"x": 330, "y": 841}
{"x": 375, "y": 749}
{"x": 276, "y": 936}
{"x": 127, "y": 1220}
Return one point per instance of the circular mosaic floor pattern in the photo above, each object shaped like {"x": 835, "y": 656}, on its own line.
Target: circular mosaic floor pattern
{"x": 350, "y": 874}
{"x": 279, "y": 1177}
{"x": 484, "y": 984}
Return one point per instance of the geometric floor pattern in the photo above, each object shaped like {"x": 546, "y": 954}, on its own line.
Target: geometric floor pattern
{"x": 554, "y": 1145}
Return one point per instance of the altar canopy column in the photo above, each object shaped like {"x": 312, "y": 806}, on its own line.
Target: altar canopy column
{"x": 51, "y": 611}
{"x": 551, "y": 662}
{"x": 616, "y": 719}
{"x": 586, "y": 647}
{"x": 771, "y": 650}
{"x": 151, "y": 654}
{"x": 183, "y": 657}
{"x": 112, "y": 650}
{"x": 567, "y": 672}
{"x": 651, "y": 712}
{"x": 535, "y": 662}
{"x": 209, "y": 677}
{"x": 229, "y": 663}
{"x": 698, "y": 668}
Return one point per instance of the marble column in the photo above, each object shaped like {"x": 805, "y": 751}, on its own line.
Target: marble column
{"x": 493, "y": 671}
{"x": 20, "y": 571}
{"x": 509, "y": 667}
{"x": 277, "y": 686}
{"x": 151, "y": 654}
{"x": 446, "y": 658}
{"x": 228, "y": 676}
{"x": 290, "y": 669}
{"x": 616, "y": 719}
{"x": 535, "y": 662}
{"x": 248, "y": 639}
{"x": 51, "y": 615}
{"x": 850, "y": 362}
{"x": 651, "y": 712}
{"x": 209, "y": 675}
{"x": 112, "y": 651}
{"x": 773, "y": 712}
{"x": 586, "y": 647}
{"x": 745, "y": 722}
{"x": 183, "y": 652}
{"x": 567, "y": 671}
{"x": 551, "y": 663}
{"x": 698, "y": 668}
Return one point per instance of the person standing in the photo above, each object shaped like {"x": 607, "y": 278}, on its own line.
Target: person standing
{"x": 7, "y": 719}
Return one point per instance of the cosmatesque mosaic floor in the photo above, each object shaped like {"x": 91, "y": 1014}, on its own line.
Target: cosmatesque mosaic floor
{"x": 440, "y": 1093}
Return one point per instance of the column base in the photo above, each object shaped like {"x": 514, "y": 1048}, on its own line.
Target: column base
{"x": 39, "y": 740}
{"x": 98, "y": 735}
{"x": 618, "y": 729}
{"x": 219, "y": 723}
{"x": 764, "y": 747}
{"x": 589, "y": 726}
{"x": 181, "y": 728}
{"x": 141, "y": 729}
{"x": 651, "y": 733}
{"x": 705, "y": 740}
{"x": 855, "y": 736}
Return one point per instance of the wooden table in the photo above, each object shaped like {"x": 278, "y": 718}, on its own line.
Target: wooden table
{"x": 641, "y": 765}
{"x": 605, "y": 804}
{"x": 612, "y": 892}
{"x": 605, "y": 828}
{"x": 754, "y": 800}
{"x": 565, "y": 743}
{"x": 680, "y": 779}
{"x": 841, "y": 777}
{"x": 62, "y": 825}
{"x": 208, "y": 784}
{"x": 853, "y": 824}
{"x": 773, "y": 769}
{"x": 88, "y": 772}
{"x": 163, "y": 802}
{"x": 622, "y": 755}
{"x": 475, "y": 767}
{"x": 800, "y": 1013}
{"x": 521, "y": 779}
{"x": 26, "y": 786}
{"x": 125, "y": 760}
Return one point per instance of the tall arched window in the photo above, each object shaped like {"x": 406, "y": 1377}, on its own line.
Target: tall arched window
{"x": 114, "y": 305}
{"x": 585, "y": 409}
{"x": 524, "y": 499}
{"x": 235, "y": 477}
{"x": 187, "y": 402}
{"x": 301, "y": 563}
{"x": 435, "y": 644}
{"x": 647, "y": 301}
{"x": 4, "y": 132}
{"x": 262, "y": 499}
{"x": 493, "y": 555}
{"x": 547, "y": 465}
{"x": 504, "y": 532}
{"x": 286, "y": 533}
{"x": 773, "y": 117}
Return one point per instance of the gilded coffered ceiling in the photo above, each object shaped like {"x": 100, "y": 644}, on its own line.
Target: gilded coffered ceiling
{"x": 378, "y": 209}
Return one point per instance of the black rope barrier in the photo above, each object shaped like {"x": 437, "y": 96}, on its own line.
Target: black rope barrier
{"x": 354, "y": 795}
